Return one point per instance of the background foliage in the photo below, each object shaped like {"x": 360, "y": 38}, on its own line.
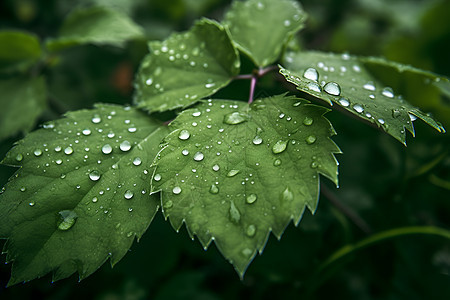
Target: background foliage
{"x": 383, "y": 185}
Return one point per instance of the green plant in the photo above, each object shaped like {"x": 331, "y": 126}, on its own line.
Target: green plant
{"x": 233, "y": 171}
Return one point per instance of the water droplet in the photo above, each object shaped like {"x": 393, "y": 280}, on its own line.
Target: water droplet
{"x": 19, "y": 157}
{"x": 31, "y": 204}
{"x": 96, "y": 119}
{"x": 257, "y": 140}
{"x": 287, "y": 23}
{"x": 369, "y": 86}
{"x": 312, "y": 86}
{"x": 247, "y": 252}
{"x": 37, "y": 152}
{"x": 149, "y": 81}
{"x": 132, "y": 129}
{"x": 232, "y": 173}
{"x": 125, "y": 146}
{"x": 68, "y": 150}
{"x": 412, "y": 117}
{"x": 381, "y": 121}
{"x": 66, "y": 219}
{"x": 310, "y": 139}
{"x": 235, "y": 118}
{"x": 137, "y": 161}
{"x": 279, "y": 146}
{"x": 107, "y": 149}
{"x": 94, "y": 200}
{"x": 251, "y": 230}
{"x": 214, "y": 189}
{"x": 332, "y": 88}
{"x": 311, "y": 74}
{"x": 198, "y": 156}
{"x": 184, "y": 135}
{"x": 58, "y": 161}
{"x": 251, "y": 198}
{"x": 128, "y": 194}
{"x": 94, "y": 175}
{"x": 396, "y": 113}
{"x": 356, "y": 68}
{"x": 287, "y": 195}
{"x": 86, "y": 132}
{"x": 185, "y": 152}
{"x": 176, "y": 190}
{"x": 168, "y": 204}
{"x": 388, "y": 92}
{"x": 157, "y": 177}
{"x": 235, "y": 215}
{"x": 209, "y": 85}
{"x": 216, "y": 167}
{"x": 281, "y": 116}
{"x": 345, "y": 56}
{"x": 23, "y": 189}
{"x": 358, "y": 108}
{"x": 314, "y": 165}
{"x": 197, "y": 114}
{"x": 344, "y": 102}
{"x": 308, "y": 121}
{"x": 277, "y": 162}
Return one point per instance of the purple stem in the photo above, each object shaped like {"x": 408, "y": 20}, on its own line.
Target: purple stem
{"x": 252, "y": 88}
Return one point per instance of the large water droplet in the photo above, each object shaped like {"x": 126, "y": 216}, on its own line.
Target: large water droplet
{"x": 311, "y": 74}
{"x": 344, "y": 102}
{"x": 308, "y": 121}
{"x": 125, "y": 146}
{"x": 176, "y": 190}
{"x": 168, "y": 204}
{"x": 216, "y": 167}
{"x": 107, "y": 149}
{"x": 388, "y": 92}
{"x": 94, "y": 175}
{"x": 37, "y": 152}
{"x": 19, "y": 157}
{"x": 198, "y": 156}
{"x": 213, "y": 189}
{"x": 310, "y": 139}
{"x": 412, "y": 117}
{"x": 184, "y": 135}
{"x": 232, "y": 173}
{"x": 369, "y": 86}
{"x": 251, "y": 230}
{"x": 86, "y": 132}
{"x": 381, "y": 121}
{"x": 66, "y": 219}
{"x": 157, "y": 177}
{"x": 358, "y": 108}
{"x": 235, "y": 118}
{"x": 137, "y": 161}
{"x": 96, "y": 119}
{"x": 279, "y": 146}
{"x": 312, "y": 86}
{"x": 68, "y": 150}
{"x": 235, "y": 215}
{"x": 128, "y": 194}
{"x": 257, "y": 140}
{"x": 332, "y": 88}
{"x": 251, "y": 198}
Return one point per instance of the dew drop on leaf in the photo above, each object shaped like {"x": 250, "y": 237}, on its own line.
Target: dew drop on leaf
{"x": 388, "y": 92}
{"x": 37, "y": 152}
{"x": 287, "y": 195}
{"x": 358, "y": 108}
{"x": 86, "y": 132}
{"x": 251, "y": 230}
{"x": 125, "y": 146}
{"x": 157, "y": 177}
{"x": 332, "y": 88}
{"x": 19, "y": 157}
{"x": 233, "y": 173}
{"x": 214, "y": 189}
{"x": 310, "y": 139}
{"x": 128, "y": 194}
{"x": 381, "y": 121}
{"x": 235, "y": 118}
{"x": 311, "y": 74}
{"x": 185, "y": 152}
{"x": 66, "y": 219}
{"x": 396, "y": 113}
{"x": 247, "y": 252}
{"x": 257, "y": 140}
{"x": 96, "y": 119}
{"x": 137, "y": 161}
{"x": 369, "y": 86}
{"x": 277, "y": 162}
{"x": 235, "y": 215}
{"x": 94, "y": 200}
{"x": 308, "y": 121}
{"x": 216, "y": 167}
{"x": 168, "y": 204}
{"x": 106, "y": 149}
{"x": 184, "y": 135}
{"x": 314, "y": 87}
{"x": 23, "y": 189}
{"x": 68, "y": 150}
{"x": 176, "y": 190}
{"x": 344, "y": 102}
{"x": 412, "y": 117}
{"x": 94, "y": 175}
{"x": 279, "y": 146}
{"x": 251, "y": 198}
{"x": 31, "y": 204}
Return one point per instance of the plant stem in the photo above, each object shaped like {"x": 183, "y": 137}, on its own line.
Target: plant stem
{"x": 252, "y": 89}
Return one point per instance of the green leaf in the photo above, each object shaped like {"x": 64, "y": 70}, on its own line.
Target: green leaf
{"x": 81, "y": 194}
{"x": 186, "y": 67}
{"x": 262, "y": 28}
{"x": 345, "y": 80}
{"x": 234, "y": 172}
{"x": 22, "y": 102}
{"x": 18, "y": 49}
{"x": 98, "y": 26}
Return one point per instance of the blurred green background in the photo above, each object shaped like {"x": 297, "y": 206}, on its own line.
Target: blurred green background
{"x": 383, "y": 185}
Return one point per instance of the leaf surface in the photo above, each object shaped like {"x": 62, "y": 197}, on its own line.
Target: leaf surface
{"x": 81, "y": 194}
{"x": 186, "y": 67}
{"x": 22, "y": 101}
{"x": 346, "y": 81}
{"x": 98, "y": 26}
{"x": 262, "y": 28}
{"x": 234, "y": 172}
{"x": 18, "y": 49}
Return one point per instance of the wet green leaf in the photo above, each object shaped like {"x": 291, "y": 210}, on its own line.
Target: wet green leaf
{"x": 233, "y": 173}
{"x": 262, "y": 28}
{"x": 98, "y": 26}
{"x": 22, "y": 101}
{"x": 81, "y": 195}
{"x": 18, "y": 49}
{"x": 186, "y": 67}
{"x": 346, "y": 81}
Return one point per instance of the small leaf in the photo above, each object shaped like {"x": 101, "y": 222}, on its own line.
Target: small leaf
{"x": 81, "y": 194}
{"x": 235, "y": 181}
{"x": 22, "y": 101}
{"x": 262, "y": 28}
{"x": 345, "y": 80}
{"x": 186, "y": 67}
{"x": 98, "y": 26}
{"x": 18, "y": 49}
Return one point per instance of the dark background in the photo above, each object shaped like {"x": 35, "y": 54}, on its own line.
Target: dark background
{"x": 384, "y": 184}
